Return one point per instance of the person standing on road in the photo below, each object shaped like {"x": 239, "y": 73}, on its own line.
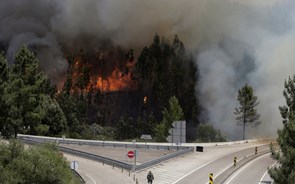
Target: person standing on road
{"x": 150, "y": 177}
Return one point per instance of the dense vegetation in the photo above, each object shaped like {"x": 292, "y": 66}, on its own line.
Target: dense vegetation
{"x": 31, "y": 104}
{"x": 41, "y": 164}
{"x": 285, "y": 171}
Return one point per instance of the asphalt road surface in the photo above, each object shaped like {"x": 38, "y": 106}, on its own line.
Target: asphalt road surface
{"x": 217, "y": 166}
{"x": 253, "y": 172}
{"x": 195, "y": 167}
{"x": 189, "y": 169}
{"x": 96, "y": 173}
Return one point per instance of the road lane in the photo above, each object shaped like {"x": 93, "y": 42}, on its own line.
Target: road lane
{"x": 252, "y": 172}
{"x": 266, "y": 179}
{"x": 177, "y": 169}
{"x": 96, "y": 173}
{"x": 216, "y": 167}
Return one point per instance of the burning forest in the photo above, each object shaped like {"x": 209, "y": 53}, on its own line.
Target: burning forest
{"x": 106, "y": 71}
{"x": 117, "y": 64}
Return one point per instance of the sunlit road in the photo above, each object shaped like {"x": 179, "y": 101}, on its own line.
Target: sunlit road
{"x": 201, "y": 174}
{"x": 192, "y": 168}
{"x": 253, "y": 172}
{"x": 96, "y": 173}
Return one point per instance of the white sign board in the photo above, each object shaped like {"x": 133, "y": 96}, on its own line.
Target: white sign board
{"x": 74, "y": 165}
{"x": 177, "y": 133}
{"x": 146, "y": 136}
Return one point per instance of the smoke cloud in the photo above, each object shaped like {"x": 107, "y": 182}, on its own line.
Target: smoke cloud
{"x": 237, "y": 42}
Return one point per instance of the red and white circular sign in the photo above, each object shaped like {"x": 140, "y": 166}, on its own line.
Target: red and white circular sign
{"x": 130, "y": 154}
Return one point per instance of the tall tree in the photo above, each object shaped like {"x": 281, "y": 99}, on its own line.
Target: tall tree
{"x": 246, "y": 113}
{"x": 285, "y": 172}
{"x": 28, "y": 97}
{"x": 288, "y": 111}
{"x": 172, "y": 113}
{"x": 4, "y": 71}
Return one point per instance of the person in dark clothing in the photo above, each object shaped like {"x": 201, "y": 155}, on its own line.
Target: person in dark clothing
{"x": 150, "y": 177}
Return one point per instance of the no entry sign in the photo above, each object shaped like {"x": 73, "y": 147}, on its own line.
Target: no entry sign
{"x": 130, "y": 154}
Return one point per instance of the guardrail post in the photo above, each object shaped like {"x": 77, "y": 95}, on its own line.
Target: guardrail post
{"x": 211, "y": 178}
{"x": 134, "y": 177}
{"x": 136, "y": 181}
{"x": 122, "y": 170}
{"x": 129, "y": 173}
{"x": 255, "y": 150}
{"x": 235, "y": 161}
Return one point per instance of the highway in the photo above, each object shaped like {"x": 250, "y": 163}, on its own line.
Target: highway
{"x": 195, "y": 167}
{"x": 191, "y": 168}
{"x": 96, "y": 173}
{"x": 218, "y": 166}
{"x": 253, "y": 172}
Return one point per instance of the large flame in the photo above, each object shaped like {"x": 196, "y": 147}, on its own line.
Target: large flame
{"x": 115, "y": 82}
{"x": 118, "y": 80}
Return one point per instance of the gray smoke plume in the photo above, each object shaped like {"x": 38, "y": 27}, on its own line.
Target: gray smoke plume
{"x": 238, "y": 41}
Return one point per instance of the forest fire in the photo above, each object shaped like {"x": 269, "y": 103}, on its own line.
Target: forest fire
{"x": 115, "y": 82}
{"x": 90, "y": 76}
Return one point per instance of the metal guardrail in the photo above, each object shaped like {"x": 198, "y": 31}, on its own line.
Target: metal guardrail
{"x": 105, "y": 143}
{"x": 86, "y": 155}
{"x": 105, "y": 160}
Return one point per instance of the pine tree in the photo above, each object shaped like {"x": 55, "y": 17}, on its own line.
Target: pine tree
{"x": 246, "y": 112}
{"x": 28, "y": 97}
{"x": 4, "y": 71}
{"x": 288, "y": 110}
{"x": 285, "y": 172}
{"x": 173, "y": 113}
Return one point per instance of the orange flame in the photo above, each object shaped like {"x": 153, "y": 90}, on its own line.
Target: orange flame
{"x": 115, "y": 82}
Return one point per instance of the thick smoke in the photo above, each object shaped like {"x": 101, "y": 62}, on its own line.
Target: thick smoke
{"x": 237, "y": 42}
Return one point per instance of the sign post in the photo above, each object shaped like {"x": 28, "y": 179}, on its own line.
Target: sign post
{"x": 135, "y": 158}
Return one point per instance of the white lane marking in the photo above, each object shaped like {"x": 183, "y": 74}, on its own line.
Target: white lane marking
{"x": 232, "y": 164}
{"x": 91, "y": 179}
{"x": 244, "y": 167}
{"x": 195, "y": 170}
{"x": 204, "y": 166}
{"x": 266, "y": 173}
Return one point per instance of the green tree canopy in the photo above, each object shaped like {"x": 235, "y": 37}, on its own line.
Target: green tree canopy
{"x": 4, "y": 71}
{"x": 28, "y": 97}
{"x": 288, "y": 110}
{"x": 39, "y": 165}
{"x": 285, "y": 172}
{"x": 172, "y": 113}
{"x": 246, "y": 113}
